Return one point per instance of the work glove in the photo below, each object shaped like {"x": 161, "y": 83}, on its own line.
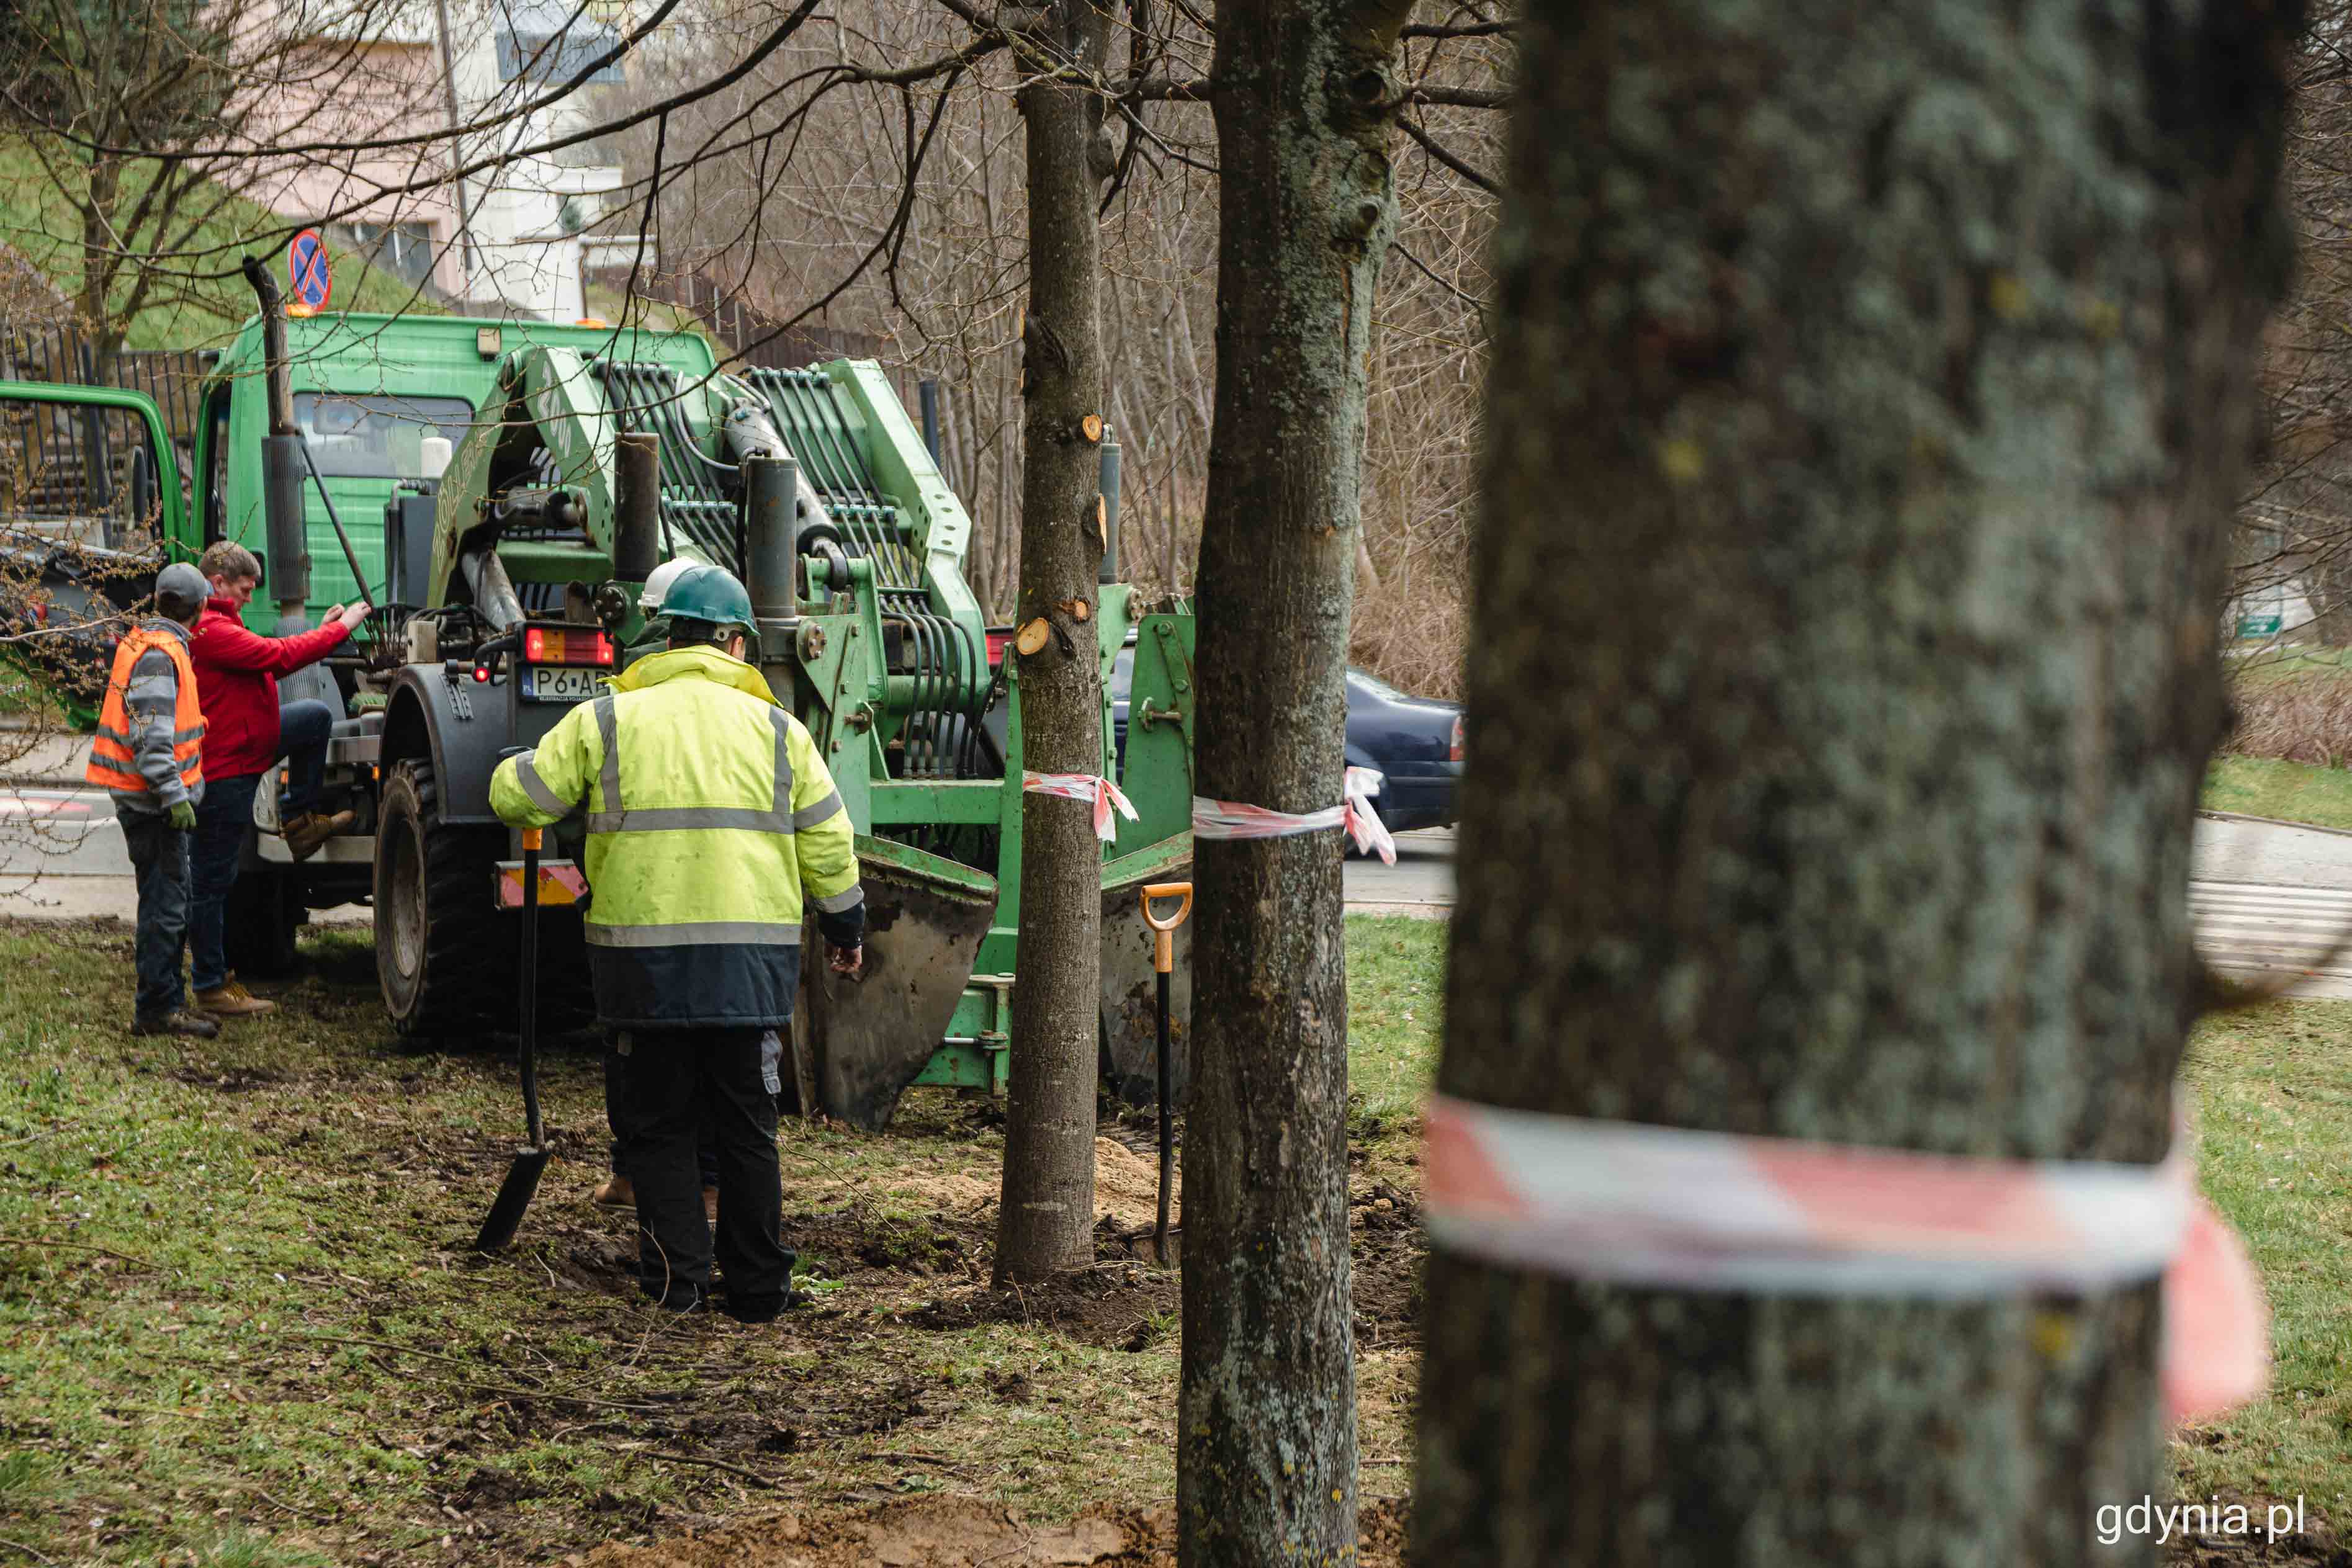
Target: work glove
{"x": 183, "y": 816}
{"x": 848, "y": 962}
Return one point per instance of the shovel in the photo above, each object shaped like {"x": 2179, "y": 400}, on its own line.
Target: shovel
{"x": 530, "y": 1161}
{"x": 1163, "y": 961}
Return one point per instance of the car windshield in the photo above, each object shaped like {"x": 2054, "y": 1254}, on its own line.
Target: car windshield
{"x": 377, "y": 436}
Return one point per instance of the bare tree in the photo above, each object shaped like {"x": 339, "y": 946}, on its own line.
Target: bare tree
{"x": 1307, "y": 96}
{"x": 148, "y": 123}
{"x": 1856, "y": 496}
{"x": 1045, "y": 1220}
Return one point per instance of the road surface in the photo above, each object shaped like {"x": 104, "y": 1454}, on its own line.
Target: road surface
{"x": 61, "y": 858}
{"x": 2267, "y": 899}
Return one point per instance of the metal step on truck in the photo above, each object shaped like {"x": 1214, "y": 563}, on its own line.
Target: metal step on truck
{"x": 501, "y": 492}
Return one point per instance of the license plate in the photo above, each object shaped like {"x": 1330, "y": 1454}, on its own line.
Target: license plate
{"x": 550, "y": 684}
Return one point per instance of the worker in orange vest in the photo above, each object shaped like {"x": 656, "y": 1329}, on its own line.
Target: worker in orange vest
{"x": 149, "y": 754}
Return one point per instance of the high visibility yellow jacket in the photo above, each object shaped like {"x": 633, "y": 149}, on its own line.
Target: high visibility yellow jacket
{"x": 709, "y": 812}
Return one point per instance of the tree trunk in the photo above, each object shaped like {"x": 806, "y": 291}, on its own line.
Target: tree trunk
{"x": 100, "y": 196}
{"x": 1856, "y": 490}
{"x": 1305, "y": 103}
{"x": 1047, "y": 1214}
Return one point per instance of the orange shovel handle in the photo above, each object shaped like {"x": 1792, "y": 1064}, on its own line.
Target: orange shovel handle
{"x": 1163, "y": 942}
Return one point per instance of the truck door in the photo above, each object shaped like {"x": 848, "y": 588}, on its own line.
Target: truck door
{"x": 91, "y": 508}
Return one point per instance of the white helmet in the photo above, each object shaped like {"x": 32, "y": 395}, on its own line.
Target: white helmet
{"x": 657, "y": 589}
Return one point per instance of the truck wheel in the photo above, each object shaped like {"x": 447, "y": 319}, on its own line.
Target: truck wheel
{"x": 263, "y": 918}
{"x": 439, "y": 950}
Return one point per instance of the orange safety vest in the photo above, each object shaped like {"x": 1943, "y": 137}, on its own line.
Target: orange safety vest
{"x": 113, "y": 763}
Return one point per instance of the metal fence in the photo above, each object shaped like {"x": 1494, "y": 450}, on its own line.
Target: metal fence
{"x": 43, "y": 352}
{"x": 83, "y": 475}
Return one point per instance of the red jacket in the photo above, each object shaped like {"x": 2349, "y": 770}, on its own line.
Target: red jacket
{"x": 236, "y": 679}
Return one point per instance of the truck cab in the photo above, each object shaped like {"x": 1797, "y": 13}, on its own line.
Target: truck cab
{"x": 96, "y": 492}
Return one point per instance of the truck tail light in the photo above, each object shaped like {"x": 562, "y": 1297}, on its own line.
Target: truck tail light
{"x": 541, "y": 645}
{"x": 1455, "y": 753}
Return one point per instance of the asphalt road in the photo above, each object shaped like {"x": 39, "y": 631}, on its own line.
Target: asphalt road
{"x": 2268, "y": 900}
{"x": 61, "y": 858}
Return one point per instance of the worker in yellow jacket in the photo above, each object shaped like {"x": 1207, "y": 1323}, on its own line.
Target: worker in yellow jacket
{"x": 713, "y": 825}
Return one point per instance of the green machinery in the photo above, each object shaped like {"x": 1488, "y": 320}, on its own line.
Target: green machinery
{"x": 812, "y": 485}
{"x": 509, "y": 584}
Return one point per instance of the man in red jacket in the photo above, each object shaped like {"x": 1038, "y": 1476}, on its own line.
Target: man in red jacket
{"x": 236, "y": 678}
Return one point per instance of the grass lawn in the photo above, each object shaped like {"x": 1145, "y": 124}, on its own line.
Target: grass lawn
{"x": 2290, "y": 791}
{"x": 239, "y": 1324}
{"x": 2273, "y": 1095}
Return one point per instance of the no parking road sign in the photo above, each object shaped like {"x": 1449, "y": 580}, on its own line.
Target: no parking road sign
{"x": 306, "y": 267}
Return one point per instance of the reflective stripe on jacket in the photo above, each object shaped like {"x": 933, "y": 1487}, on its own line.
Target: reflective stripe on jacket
{"x": 129, "y": 719}
{"x": 709, "y": 812}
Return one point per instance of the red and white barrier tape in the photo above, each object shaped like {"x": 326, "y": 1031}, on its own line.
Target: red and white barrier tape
{"x": 1102, "y": 791}
{"x": 1233, "y": 820}
{"x": 1672, "y": 1208}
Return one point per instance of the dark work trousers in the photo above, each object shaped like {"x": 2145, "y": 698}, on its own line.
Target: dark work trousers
{"x": 706, "y": 1156}
{"x": 304, "y": 727}
{"x": 159, "y": 859}
{"x": 671, "y": 1083}
{"x": 222, "y": 818}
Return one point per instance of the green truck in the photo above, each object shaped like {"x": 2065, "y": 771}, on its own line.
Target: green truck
{"x": 501, "y": 492}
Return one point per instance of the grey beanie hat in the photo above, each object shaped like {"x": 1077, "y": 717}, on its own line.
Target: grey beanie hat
{"x": 181, "y": 589}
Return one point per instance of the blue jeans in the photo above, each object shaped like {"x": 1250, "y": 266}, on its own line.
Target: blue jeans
{"x": 159, "y": 856}
{"x": 303, "y": 728}
{"x": 222, "y": 820}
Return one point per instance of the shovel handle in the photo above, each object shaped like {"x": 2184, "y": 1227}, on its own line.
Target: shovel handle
{"x": 1163, "y": 944}
{"x": 1151, "y": 890}
{"x": 529, "y": 1048}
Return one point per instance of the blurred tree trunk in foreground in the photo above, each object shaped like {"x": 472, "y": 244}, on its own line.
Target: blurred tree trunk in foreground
{"x": 1878, "y": 386}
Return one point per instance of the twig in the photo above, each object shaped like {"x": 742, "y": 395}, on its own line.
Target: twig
{"x": 83, "y": 1247}
{"x": 754, "y": 1476}
{"x": 27, "y": 1551}
{"x": 403, "y": 1350}
{"x": 908, "y": 1457}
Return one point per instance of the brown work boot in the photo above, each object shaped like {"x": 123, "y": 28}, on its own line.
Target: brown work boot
{"x": 195, "y": 1026}
{"x": 616, "y": 1193}
{"x": 230, "y": 1000}
{"x": 306, "y": 832}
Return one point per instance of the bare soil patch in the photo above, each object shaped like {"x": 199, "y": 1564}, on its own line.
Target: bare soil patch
{"x": 2314, "y": 1546}
{"x": 959, "y": 1533}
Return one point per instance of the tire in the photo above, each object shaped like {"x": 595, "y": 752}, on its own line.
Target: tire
{"x": 263, "y": 917}
{"x": 447, "y": 958}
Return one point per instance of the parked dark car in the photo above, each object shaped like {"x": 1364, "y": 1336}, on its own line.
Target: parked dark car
{"x": 1413, "y": 742}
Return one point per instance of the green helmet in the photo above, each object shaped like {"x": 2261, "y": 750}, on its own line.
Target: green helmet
{"x": 708, "y": 593}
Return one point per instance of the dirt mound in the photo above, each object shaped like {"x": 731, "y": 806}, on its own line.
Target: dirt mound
{"x": 840, "y": 1242}
{"x": 1126, "y": 1185}
{"x": 1127, "y": 1188}
{"x": 959, "y": 1533}
{"x": 1121, "y": 1305}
